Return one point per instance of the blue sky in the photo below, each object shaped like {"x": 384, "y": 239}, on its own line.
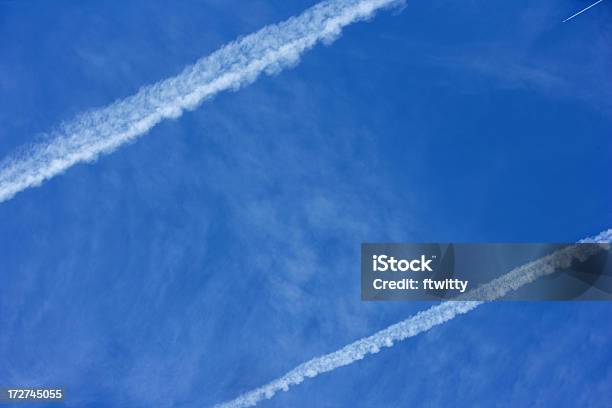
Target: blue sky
{"x": 221, "y": 249}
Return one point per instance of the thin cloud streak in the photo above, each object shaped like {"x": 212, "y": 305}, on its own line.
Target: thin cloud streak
{"x": 421, "y": 322}
{"x": 582, "y": 11}
{"x": 235, "y": 65}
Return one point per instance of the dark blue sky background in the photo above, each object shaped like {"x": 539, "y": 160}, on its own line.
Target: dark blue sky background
{"x": 221, "y": 249}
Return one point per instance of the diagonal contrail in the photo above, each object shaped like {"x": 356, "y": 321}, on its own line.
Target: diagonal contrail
{"x": 422, "y": 321}
{"x": 582, "y": 11}
{"x": 239, "y": 63}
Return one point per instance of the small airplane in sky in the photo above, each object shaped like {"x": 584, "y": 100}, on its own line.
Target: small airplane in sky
{"x": 582, "y": 11}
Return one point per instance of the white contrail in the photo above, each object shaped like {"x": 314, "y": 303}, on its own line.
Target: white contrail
{"x": 422, "y": 321}
{"x": 239, "y": 63}
{"x": 582, "y": 11}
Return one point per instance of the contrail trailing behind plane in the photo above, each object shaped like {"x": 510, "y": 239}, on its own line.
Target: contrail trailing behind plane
{"x": 237, "y": 64}
{"x": 582, "y": 11}
{"x": 421, "y": 322}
